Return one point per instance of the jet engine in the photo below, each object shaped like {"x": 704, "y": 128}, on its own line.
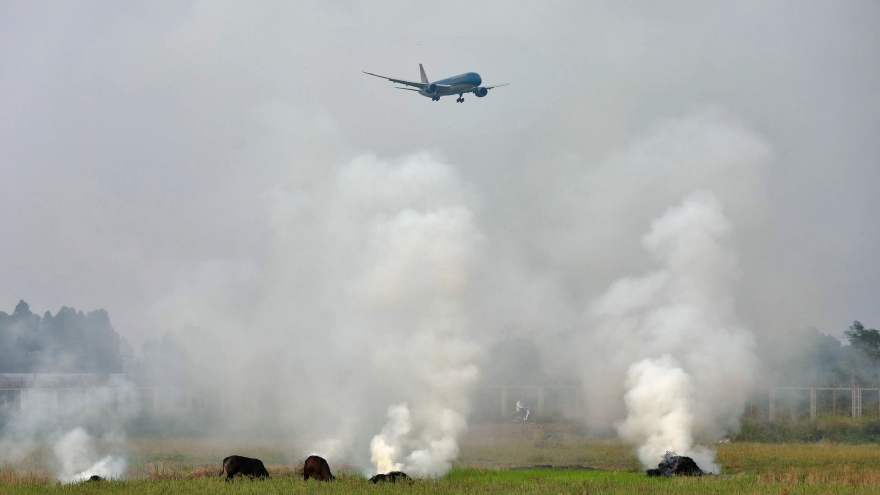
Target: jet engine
{"x": 481, "y": 92}
{"x": 432, "y": 88}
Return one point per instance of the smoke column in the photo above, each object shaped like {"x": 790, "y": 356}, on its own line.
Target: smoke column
{"x": 412, "y": 296}
{"x": 65, "y": 425}
{"x": 689, "y": 363}
{"x": 362, "y": 308}
{"x": 78, "y": 459}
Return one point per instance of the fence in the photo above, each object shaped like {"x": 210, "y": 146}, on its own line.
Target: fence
{"x": 118, "y": 400}
{"x": 770, "y": 403}
{"x": 801, "y": 403}
{"x": 489, "y": 403}
{"x": 495, "y": 402}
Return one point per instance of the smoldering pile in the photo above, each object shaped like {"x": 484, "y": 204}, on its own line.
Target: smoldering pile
{"x": 392, "y": 477}
{"x": 675, "y": 465}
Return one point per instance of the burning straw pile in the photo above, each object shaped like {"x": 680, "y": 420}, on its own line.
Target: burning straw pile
{"x": 675, "y": 465}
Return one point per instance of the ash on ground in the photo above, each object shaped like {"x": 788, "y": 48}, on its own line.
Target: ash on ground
{"x": 675, "y": 465}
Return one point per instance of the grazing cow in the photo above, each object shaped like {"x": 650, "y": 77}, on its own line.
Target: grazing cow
{"x": 317, "y": 467}
{"x": 95, "y": 477}
{"x": 236, "y": 464}
{"x": 392, "y": 477}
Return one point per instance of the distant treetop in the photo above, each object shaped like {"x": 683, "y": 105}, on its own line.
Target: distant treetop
{"x": 68, "y": 342}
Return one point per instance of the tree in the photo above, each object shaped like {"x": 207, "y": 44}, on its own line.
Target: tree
{"x": 867, "y": 341}
{"x": 68, "y": 342}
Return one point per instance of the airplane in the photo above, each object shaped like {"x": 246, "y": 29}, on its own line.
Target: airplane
{"x": 465, "y": 83}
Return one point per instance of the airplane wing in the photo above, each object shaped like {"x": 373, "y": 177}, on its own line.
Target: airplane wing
{"x": 398, "y": 81}
{"x": 474, "y": 90}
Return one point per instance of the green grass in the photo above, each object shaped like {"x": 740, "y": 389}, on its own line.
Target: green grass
{"x": 474, "y": 481}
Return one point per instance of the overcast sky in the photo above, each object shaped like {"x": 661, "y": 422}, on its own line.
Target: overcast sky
{"x": 141, "y": 143}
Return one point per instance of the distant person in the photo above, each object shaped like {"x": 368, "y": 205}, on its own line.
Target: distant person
{"x": 522, "y": 412}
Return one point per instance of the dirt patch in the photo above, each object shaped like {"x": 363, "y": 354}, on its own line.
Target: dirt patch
{"x": 576, "y": 467}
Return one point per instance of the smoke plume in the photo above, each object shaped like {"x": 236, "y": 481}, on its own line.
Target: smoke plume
{"x": 78, "y": 458}
{"x": 689, "y": 363}
{"x": 63, "y": 419}
{"x": 359, "y": 336}
{"x": 367, "y": 294}
{"x": 430, "y": 454}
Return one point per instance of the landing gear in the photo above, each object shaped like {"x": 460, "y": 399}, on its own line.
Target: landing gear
{"x": 436, "y": 98}
{"x": 460, "y": 99}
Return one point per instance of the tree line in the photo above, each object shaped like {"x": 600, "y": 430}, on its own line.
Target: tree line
{"x": 72, "y": 341}
{"x": 69, "y": 341}
{"x": 808, "y": 357}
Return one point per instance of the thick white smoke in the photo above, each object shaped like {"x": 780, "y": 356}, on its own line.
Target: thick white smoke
{"x": 429, "y": 454}
{"x": 408, "y": 299}
{"x": 78, "y": 458}
{"x": 413, "y": 296}
{"x": 689, "y": 363}
{"x": 51, "y": 416}
{"x": 378, "y": 282}
{"x": 386, "y": 447}
{"x": 363, "y": 307}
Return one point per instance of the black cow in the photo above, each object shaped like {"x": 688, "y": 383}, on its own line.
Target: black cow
{"x": 317, "y": 468}
{"x": 95, "y": 477}
{"x": 236, "y": 464}
{"x": 392, "y": 477}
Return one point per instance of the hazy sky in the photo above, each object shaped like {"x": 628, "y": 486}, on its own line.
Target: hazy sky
{"x": 141, "y": 144}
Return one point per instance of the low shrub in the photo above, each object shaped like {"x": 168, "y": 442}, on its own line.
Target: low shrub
{"x": 840, "y": 430}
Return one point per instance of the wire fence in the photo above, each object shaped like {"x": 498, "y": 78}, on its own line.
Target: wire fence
{"x": 489, "y": 403}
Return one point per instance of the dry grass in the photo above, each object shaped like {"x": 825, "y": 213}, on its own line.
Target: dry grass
{"x": 209, "y": 472}
{"x": 821, "y": 477}
{"x": 512, "y": 445}
{"x": 761, "y": 458}
{"x": 11, "y": 477}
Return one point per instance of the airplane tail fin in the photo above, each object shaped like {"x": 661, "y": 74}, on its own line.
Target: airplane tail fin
{"x": 424, "y": 77}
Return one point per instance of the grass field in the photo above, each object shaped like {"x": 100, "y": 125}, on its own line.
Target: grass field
{"x": 494, "y": 459}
